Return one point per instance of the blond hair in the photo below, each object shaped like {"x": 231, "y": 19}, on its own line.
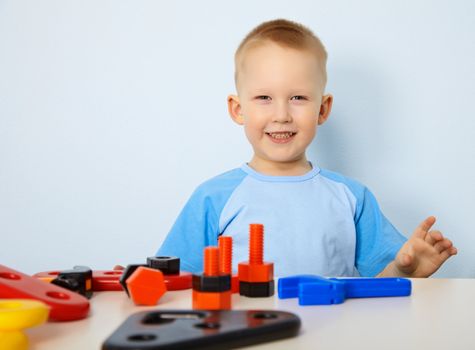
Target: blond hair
{"x": 284, "y": 33}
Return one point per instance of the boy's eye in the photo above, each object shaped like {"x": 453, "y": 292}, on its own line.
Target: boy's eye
{"x": 263, "y": 97}
{"x": 298, "y": 98}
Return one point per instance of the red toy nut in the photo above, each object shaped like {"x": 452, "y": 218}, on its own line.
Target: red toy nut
{"x": 256, "y": 273}
{"x": 146, "y": 286}
{"x": 211, "y": 300}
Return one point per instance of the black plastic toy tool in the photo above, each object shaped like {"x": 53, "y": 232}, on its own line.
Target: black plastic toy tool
{"x": 201, "y": 329}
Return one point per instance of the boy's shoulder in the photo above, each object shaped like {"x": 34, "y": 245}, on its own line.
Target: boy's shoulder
{"x": 222, "y": 183}
{"x": 355, "y": 186}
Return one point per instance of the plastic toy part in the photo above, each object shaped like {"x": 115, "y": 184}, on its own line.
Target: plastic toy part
{"x": 106, "y": 280}
{"x": 102, "y": 280}
{"x": 256, "y": 277}
{"x": 169, "y": 265}
{"x": 126, "y": 273}
{"x": 225, "y": 245}
{"x": 146, "y": 286}
{"x": 211, "y": 300}
{"x": 78, "y": 280}
{"x": 15, "y": 316}
{"x": 235, "y": 283}
{"x": 46, "y": 279}
{"x": 180, "y": 281}
{"x": 65, "y": 305}
{"x": 212, "y": 289}
{"x": 316, "y": 290}
{"x": 187, "y": 329}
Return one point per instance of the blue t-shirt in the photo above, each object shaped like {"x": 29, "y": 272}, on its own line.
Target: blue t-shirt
{"x": 318, "y": 223}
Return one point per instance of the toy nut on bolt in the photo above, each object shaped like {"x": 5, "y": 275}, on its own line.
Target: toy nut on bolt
{"x": 212, "y": 289}
{"x": 256, "y": 277}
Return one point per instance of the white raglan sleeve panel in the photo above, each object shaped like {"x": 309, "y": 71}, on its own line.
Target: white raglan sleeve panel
{"x": 377, "y": 240}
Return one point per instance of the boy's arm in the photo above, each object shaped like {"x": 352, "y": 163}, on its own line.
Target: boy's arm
{"x": 422, "y": 254}
{"x": 377, "y": 240}
{"x": 195, "y": 228}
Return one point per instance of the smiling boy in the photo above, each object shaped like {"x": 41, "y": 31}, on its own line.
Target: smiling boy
{"x": 316, "y": 221}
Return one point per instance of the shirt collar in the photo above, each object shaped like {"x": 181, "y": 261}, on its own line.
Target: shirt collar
{"x": 272, "y": 178}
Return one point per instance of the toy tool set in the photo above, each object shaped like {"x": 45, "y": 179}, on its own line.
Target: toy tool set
{"x": 63, "y": 295}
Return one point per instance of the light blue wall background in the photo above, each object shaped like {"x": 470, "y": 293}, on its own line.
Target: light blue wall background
{"x": 112, "y": 112}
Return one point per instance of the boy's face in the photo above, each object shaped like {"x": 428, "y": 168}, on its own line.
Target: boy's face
{"x": 279, "y": 102}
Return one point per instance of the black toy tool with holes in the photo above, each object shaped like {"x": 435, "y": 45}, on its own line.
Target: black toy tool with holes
{"x": 201, "y": 329}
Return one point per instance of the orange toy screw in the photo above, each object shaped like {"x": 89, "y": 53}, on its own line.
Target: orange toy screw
{"x": 211, "y": 263}
{"x": 225, "y": 244}
{"x": 256, "y": 277}
{"x": 212, "y": 289}
{"x": 256, "y": 244}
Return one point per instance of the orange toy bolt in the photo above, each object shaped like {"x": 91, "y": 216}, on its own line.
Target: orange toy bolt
{"x": 225, "y": 244}
{"x": 212, "y": 289}
{"x": 256, "y": 277}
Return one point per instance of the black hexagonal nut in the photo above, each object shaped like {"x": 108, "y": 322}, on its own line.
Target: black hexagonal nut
{"x": 128, "y": 271}
{"x": 78, "y": 280}
{"x": 70, "y": 284}
{"x": 203, "y": 283}
{"x": 256, "y": 289}
{"x": 169, "y": 265}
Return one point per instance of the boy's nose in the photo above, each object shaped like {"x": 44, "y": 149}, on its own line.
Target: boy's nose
{"x": 282, "y": 115}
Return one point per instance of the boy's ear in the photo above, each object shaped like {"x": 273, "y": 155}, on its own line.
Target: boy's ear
{"x": 325, "y": 108}
{"x": 234, "y": 109}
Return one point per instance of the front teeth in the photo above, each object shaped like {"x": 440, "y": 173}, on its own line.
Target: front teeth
{"x": 281, "y": 135}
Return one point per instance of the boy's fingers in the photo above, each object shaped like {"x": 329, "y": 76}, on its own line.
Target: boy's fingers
{"x": 433, "y": 237}
{"x": 448, "y": 253}
{"x": 424, "y": 227}
{"x": 436, "y": 235}
{"x": 442, "y": 245}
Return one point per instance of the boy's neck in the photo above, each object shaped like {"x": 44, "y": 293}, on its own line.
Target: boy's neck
{"x": 295, "y": 168}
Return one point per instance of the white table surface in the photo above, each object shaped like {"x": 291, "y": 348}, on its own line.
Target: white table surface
{"x": 440, "y": 314}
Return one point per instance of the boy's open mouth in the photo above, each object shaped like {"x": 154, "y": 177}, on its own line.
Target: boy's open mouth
{"x": 281, "y": 136}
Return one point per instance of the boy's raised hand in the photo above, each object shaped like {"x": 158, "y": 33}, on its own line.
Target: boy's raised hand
{"x": 423, "y": 253}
